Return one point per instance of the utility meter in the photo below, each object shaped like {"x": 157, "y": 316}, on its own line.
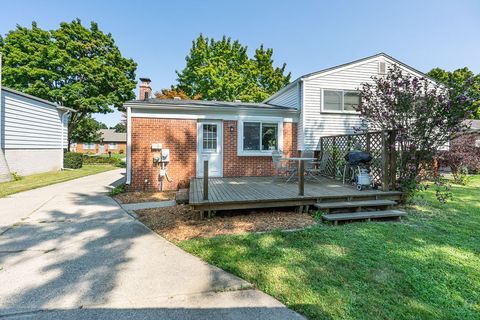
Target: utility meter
{"x": 165, "y": 155}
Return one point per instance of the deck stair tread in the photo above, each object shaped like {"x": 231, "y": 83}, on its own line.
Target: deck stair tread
{"x": 355, "y": 204}
{"x": 364, "y": 215}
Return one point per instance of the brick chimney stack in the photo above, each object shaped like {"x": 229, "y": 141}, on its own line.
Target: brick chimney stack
{"x": 145, "y": 89}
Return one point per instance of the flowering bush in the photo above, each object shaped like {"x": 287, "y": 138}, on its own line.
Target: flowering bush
{"x": 463, "y": 157}
{"x": 425, "y": 115}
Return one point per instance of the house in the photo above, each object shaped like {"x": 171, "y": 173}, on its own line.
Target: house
{"x": 237, "y": 138}
{"x": 33, "y": 134}
{"x": 110, "y": 141}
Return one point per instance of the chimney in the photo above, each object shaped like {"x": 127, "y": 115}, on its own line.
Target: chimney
{"x": 145, "y": 89}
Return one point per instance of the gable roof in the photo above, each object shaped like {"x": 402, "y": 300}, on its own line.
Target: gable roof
{"x": 323, "y": 71}
{"x": 110, "y": 135}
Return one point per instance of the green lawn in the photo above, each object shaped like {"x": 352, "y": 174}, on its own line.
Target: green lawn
{"x": 425, "y": 267}
{"x": 44, "y": 179}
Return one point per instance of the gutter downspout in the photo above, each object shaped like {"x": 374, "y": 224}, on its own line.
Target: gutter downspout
{"x": 129, "y": 145}
{"x": 63, "y": 134}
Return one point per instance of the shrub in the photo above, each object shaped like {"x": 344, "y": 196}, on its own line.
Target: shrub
{"x": 118, "y": 189}
{"x": 116, "y": 161}
{"x": 72, "y": 160}
{"x": 425, "y": 116}
{"x": 16, "y": 176}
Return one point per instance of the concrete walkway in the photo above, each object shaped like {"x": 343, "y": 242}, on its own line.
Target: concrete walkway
{"x": 68, "y": 251}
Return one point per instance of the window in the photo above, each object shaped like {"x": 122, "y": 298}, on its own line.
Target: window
{"x": 89, "y": 146}
{"x": 112, "y": 146}
{"x": 210, "y": 137}
{"x": 477, "y": 143}
{"x": 260, "y": 136}
{"x": 340, "y": 100}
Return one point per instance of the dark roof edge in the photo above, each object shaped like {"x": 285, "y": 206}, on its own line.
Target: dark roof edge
{"x": 204, "y": 104}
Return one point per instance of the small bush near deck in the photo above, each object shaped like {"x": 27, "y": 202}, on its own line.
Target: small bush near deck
{"x": 118, "y": 189}
{"x": 72, "y": 160}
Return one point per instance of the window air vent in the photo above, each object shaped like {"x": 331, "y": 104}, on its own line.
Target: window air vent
{"x": 382, "y": 67}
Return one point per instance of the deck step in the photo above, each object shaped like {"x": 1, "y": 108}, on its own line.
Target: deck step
{"x": 364, "y": 215}
{"x": 354, "y": 204}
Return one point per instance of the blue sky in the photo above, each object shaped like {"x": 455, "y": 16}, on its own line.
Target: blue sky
{"x": 307, "y": 35}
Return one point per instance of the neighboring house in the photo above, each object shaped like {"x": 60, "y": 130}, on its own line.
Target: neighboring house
{"x": 237, "y": 138}
{"x": 33, "y": 134}
{"x": 110, "y": 141}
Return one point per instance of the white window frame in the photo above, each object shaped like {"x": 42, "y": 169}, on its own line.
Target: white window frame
{"x": 89, "y": 146}
{"x": 259, "y": 153}
{"x": 113, "y": 148}
{"x": 343, "y": 102}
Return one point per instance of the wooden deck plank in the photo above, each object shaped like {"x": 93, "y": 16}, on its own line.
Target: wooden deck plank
{"x": 264, "y": 189}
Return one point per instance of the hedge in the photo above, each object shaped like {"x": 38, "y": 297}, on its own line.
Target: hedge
{"x": 102, "y": 160}
{"x": 72, "y": 160}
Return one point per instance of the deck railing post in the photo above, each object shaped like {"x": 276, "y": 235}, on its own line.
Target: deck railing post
{"x": 301, "y": 178}
{"x": 385, "y": 173}
{"x": 205, "y": 180}
{"x": 393, "y": 158}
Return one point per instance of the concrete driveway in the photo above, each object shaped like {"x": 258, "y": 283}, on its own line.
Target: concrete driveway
{"x": 68, "y": 251}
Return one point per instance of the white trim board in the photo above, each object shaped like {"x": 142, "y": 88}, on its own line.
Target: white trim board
{"x": 213, "y": 115}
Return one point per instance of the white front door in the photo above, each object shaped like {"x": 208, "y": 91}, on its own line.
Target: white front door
{"x": 210, "y": 147}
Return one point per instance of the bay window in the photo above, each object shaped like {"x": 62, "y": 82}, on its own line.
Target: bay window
{"x": 340, "y": 100}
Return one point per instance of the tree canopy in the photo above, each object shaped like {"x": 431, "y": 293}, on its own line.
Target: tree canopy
{"x": 174, "y": 92}
{"x": 222, "y": 70}
{"x": 75, "y": 66}
{"x": 87, "y": 130}
{"x": 461, "y": 81}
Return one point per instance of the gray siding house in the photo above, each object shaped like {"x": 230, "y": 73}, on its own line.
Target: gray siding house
{"x": 325, "y": 99}
{"x": 33, "y": 134}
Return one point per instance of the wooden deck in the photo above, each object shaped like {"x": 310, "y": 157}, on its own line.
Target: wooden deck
{"x": 267, "y": 192}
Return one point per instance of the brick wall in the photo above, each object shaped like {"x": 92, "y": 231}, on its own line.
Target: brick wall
{"x": 235, "y": 166}
{"x": 180, "y": 136}
{"x": 121, "y": 148}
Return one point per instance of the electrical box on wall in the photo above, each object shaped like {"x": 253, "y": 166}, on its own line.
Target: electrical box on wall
{"x": 156, "y": 146}
{"x": 165, "y": 155}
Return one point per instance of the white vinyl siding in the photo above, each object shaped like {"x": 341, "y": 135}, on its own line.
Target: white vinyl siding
{"x": 289, "y": 98}
{"x": 31, "y": 124}
{"x": 318, "y": 122}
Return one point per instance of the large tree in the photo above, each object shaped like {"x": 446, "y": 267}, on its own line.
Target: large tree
{"x": 87, "y": 130}
{"x": 79, "y": 67}
{"x": 461, "y": 81}
{"x": 222, "y": 70}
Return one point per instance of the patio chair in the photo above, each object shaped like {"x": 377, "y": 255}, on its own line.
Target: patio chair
{"x": 282, "y": 168}
{"x": 311, "y": 169}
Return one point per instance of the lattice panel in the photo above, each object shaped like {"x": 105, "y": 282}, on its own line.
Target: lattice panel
{"x": 336, "y": 147}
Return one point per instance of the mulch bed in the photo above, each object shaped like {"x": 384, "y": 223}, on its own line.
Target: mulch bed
{"x": 180, "y": 223}
{"x": 135, "y": 197}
